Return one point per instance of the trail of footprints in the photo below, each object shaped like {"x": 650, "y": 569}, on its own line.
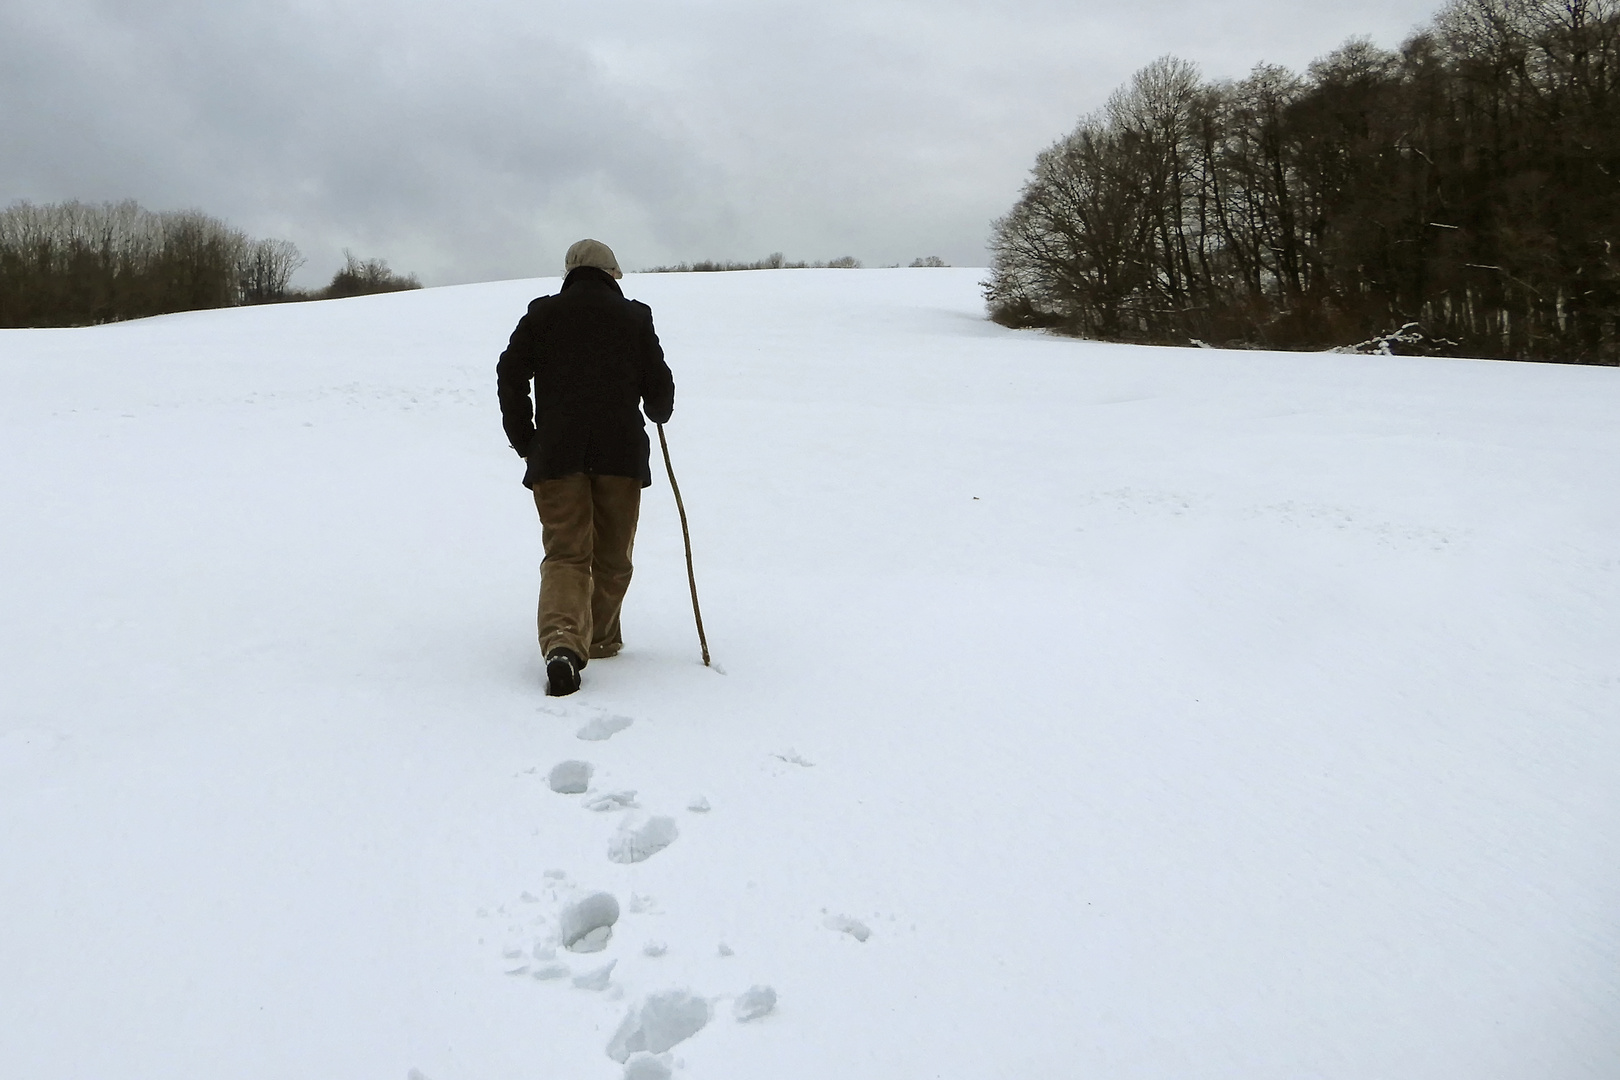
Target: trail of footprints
{"x": 566, "y": 951}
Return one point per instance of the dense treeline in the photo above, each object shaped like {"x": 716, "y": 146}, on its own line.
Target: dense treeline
{"x": 1469, "y": 183}
{"x": 72, "y": 263}
{"x": 75, "y": 264}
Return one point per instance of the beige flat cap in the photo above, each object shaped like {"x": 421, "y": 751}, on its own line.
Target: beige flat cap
{"x": 592, "y": 253}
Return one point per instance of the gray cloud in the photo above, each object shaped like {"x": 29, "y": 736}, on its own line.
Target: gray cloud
{"x": 476, "y": 140}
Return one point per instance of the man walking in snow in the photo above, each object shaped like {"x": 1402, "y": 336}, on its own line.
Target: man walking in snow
{"x": 592, "y": 359}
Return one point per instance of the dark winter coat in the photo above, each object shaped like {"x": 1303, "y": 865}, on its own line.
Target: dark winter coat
{"x": 592, "y": 359}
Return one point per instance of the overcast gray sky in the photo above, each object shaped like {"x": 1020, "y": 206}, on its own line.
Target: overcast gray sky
{"x": 475, "y": 140}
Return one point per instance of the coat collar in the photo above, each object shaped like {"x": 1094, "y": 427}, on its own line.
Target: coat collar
{"x": 590, "y": 277}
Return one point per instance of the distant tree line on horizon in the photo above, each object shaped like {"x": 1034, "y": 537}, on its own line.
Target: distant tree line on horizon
{"x": 773, "y": 261}
{"x": 78, "y": 264}
{"x": 776, "y": 261}
{"x": 1468, "y": 183}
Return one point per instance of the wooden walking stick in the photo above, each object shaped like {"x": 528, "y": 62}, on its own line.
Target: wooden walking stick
{"x": 686, "y": 537}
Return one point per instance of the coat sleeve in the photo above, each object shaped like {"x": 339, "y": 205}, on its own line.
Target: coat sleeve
{"x": 514, "y": 373}
{"x": 657, "y": 383}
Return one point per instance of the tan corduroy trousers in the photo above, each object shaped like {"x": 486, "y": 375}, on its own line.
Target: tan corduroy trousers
{"x": 588, "y": 527}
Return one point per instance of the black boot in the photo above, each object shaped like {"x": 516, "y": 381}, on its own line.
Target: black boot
{"x": 562, "y": 672}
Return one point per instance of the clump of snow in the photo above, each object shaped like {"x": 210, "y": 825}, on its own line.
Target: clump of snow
{"x": 604, "y": 727}
{"x": 570, "y": 777}
{"x": 699, "y": 805}
{"x": 612, "y": 800}
{"x": 585, "y": 925}
{"x": 654, "y": 949}
{"x": 846, "y": 925}
{"x": 754, "y": 1003}
{"x": 659, "y": 1022}
{"x": 637, "y": 841}
{"x": 546, "y": 972}
{"x": 596, "y": 978}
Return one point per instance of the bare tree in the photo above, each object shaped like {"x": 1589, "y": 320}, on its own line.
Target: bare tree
{"x": 267, "y": 269}
{"x": 362, "y": 276}
{"x": 1075, "y": 250}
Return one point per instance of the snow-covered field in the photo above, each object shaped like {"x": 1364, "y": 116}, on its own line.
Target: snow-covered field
{"x": 1080, "y": 710}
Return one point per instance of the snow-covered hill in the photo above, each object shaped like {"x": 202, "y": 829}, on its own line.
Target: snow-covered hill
{"x": 1080, "y": 710}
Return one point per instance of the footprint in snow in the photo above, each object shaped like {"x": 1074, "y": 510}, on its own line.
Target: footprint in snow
{"x": 644, "y": 1066}
{"x": 639, "y": 840}
{"x": 586, "y": 925}
{"x": 754, "y": 1003}
{"x": 657, "y": 1023}
{"x": 603, "y": 727}
{"x": 583, "y": 924}
{"x": 570, "y": 777}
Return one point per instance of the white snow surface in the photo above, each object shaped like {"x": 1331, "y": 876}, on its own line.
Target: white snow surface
{"x": 1173, "y": 713}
